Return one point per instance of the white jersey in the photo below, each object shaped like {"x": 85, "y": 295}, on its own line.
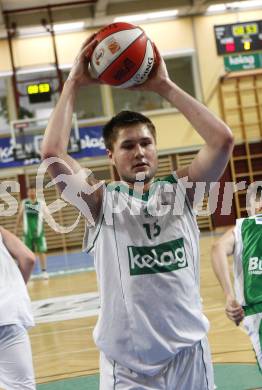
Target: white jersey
{"x": 237, "y": 264}
{"x": 147, "y": 262}
{"x": 15, "y": 305}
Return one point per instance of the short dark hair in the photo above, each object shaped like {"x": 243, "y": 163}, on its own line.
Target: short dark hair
{"x": 258, "y": 193}
{"x": 124, "y": 119}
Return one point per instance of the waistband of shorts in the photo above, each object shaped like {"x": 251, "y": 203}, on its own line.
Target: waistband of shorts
{"x": 253, "y": 309}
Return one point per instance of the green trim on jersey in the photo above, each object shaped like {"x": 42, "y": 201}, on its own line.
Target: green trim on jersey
{"x": 251, "y": 231}
{"x": 122, "y": 187}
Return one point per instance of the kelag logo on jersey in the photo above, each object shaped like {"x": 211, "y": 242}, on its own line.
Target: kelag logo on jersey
{"x": 166, "y": 257}
{"x": 255, "y": 266}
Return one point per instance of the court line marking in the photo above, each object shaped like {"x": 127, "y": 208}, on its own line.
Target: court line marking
{"x": 60, "y": 331}
{"x": 67, "y": 307}
{"x": 44, "y": 355}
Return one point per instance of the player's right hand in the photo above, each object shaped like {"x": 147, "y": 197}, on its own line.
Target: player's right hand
{"x": 234, "y": 310}
{"x": 80, "y": 73}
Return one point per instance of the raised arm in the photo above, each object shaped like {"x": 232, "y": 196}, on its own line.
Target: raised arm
{"x": 57, "y": 136}
{"x": 212, "y": 159}
{"x": 23, "y": 255}
{"x": 223, "y": 248}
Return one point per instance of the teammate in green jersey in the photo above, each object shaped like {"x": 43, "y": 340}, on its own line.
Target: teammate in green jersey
{"x": 31, "y": 212}
{"x": 244, "y": 301}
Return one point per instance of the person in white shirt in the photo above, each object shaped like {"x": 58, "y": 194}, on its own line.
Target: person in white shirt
{"x": 16, "y": 265}
{"x": 151, "y": 330}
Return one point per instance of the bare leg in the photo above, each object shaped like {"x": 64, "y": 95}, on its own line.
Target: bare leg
{"x": 42, "y": 258}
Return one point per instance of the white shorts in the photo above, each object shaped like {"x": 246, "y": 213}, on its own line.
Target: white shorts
{"x": 190, "y": 369}
{"x": 253, "y": 326}
{"x": 16, "y": 365}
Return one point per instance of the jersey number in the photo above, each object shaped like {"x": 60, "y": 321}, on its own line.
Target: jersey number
{"x": 152, "y": 230}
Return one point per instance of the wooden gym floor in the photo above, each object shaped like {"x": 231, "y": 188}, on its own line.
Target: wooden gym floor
{"x": 65, "y": 349}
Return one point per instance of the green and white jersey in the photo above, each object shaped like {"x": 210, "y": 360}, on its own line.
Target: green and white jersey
{"x": 147, "y": 261}
{"x": 33, "y": 225}
{"x": 248, "y": 263}
{"x": 15, "y": 304}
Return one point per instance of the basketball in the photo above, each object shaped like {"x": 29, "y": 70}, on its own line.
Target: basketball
{"x": 124, "y": 55}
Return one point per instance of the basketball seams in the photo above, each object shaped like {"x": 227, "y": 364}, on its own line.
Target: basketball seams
{"x": 116, "y": 58}
{"x": 124, "y": 29}
{"x": 117, "y": 32}
{"x": 135, "y": 71}
{"x": 123, "y": 57}
{"x": 125, "y": 83}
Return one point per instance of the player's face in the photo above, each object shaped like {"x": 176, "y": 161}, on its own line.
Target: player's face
{"x": 134, "y": 154}
{"x": 31, "y": 193}
{"x": 256, "y": 204}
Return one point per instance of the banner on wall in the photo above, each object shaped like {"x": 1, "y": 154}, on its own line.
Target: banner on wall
{"x": 91, "y": 140}
{"x": 243, "y": 61}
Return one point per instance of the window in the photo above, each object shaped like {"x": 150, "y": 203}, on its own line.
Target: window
{"x": 181, "y": 69}
{"x": 4, "y": 117}
{"x": 88, "y": 101}
{"x": 28, "y": 80}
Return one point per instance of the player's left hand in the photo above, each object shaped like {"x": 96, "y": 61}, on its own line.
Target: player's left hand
{"x": 234, "y": 310}
{"x": 80, "y": 71}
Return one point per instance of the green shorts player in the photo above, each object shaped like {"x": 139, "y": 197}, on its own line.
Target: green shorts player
{"x": 31, "y": 212}
{"x": 244, "y": 302}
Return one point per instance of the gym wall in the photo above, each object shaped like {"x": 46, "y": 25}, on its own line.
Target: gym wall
{"x": 171, "y": 36}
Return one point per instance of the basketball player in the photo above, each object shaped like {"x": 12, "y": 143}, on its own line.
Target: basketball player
{"x": 244, "y": 302}
{"x": 31, "y": 212}
{"x": 151, "y": 330}
{"x": 16, "y": 366}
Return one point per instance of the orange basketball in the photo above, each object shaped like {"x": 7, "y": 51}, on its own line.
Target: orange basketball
{"x": 124, "y": 55}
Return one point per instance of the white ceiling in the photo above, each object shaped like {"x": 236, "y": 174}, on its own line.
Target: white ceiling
{"x": 95, "y": 11}
{"x": 16, "y": 4}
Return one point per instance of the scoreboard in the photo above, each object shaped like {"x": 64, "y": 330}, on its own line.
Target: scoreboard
{"x": 39, "y": 93}
{"x": 238, "y": 37}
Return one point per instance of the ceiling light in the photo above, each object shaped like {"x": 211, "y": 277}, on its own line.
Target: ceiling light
{"x": 40, "y": 69}
{"x": 58, "y": 28}
{"x": 233, "y": 5}
{"x": 31, "y": 30}
{"x": 63, "y": 27}
{"x": 147, "y": 16}
{"x": 245, "y": 4}
{"x": 217, "y": 8}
